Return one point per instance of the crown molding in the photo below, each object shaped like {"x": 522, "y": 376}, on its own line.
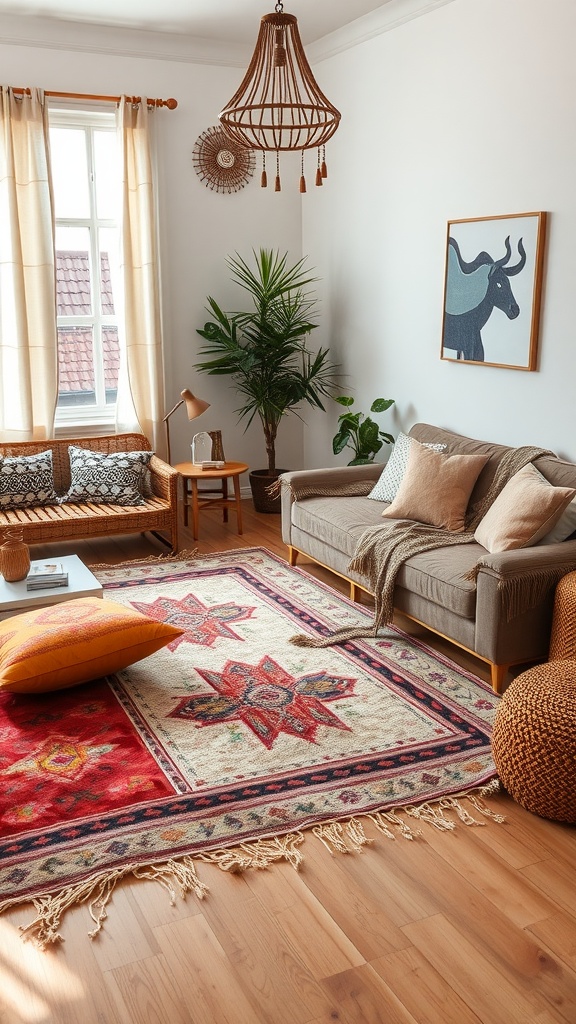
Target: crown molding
{"x": 55, "y": 34}
{"x": 392, "y": 15}
{"x": 83, "y": 37}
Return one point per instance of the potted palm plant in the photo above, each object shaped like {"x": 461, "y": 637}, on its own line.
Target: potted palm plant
{"x": 264, "y": 351}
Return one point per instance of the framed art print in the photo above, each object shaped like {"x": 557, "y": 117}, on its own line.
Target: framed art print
{"x": 492, "y": 290}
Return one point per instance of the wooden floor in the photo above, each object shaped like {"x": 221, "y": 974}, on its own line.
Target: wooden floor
{"x": 473, "y": 926}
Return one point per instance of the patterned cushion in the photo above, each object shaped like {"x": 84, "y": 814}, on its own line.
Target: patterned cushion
{"x": 386, "y": 487}
{"x": 116, "y": 479}
{"x": 27, "y": 480}
{"x": 75, "y": 641}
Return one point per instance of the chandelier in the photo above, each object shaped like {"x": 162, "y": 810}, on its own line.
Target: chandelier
{"x": 278, "y": 105}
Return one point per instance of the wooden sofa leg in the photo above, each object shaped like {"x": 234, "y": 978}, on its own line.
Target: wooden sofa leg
{"x": 497, "y": 676}
{"x": 292, "y": 555}
{"x": 355, "y": 592}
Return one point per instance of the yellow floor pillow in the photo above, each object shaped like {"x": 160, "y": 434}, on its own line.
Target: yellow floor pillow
{"x": 65, "y": 644}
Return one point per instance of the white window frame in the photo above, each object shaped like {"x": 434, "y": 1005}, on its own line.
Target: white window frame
{"x": 101, "y": 414}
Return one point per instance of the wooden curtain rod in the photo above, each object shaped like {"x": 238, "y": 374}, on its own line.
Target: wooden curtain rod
{"x": 171, "y": 103}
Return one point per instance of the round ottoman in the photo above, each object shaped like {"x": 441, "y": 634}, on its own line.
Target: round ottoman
{"x": 534, "y": 740}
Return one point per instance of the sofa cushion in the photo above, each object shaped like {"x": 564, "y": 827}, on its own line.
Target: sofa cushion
{"x": 26, "y": 481}
{"x": 525, "y": 510}
{"x": 436, "y": 488}
{"x": 387, "y": 485}
{"x": 435, "y": 575}
{"x": 115, "y": 479}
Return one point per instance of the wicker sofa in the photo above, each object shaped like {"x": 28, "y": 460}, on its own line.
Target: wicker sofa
{"x": 40, "y": 524}
{"x": 432, "y": 588}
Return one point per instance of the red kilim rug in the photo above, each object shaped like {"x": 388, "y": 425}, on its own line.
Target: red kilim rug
{"x": 231, "y": 741}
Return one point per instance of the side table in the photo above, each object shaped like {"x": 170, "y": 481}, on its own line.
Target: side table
{"x": 194, "y": 497}
{"x": 15, "y": 598}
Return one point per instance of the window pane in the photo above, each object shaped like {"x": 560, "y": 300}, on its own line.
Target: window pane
{"x": 111, "y": 353}
{"x": 73, "y": 277}
{"x": 109, "y": 269}
{"x": 69, "y": 172}
{"x": 107, "y": 175}
{"x": 76, "y": 367}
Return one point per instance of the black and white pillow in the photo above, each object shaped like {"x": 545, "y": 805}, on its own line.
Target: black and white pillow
{"x": 115, "y": 479}
{"x": 27, "y": 480}
{"x": 390, "y": 479}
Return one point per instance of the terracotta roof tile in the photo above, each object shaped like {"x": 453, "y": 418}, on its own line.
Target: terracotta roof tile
{"x": 75, "y": 362}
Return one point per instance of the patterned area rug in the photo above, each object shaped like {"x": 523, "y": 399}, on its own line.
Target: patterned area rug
{"x": 231, "y": 741}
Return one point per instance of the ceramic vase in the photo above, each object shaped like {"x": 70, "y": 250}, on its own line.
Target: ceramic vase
{"x": 14, "y": 556}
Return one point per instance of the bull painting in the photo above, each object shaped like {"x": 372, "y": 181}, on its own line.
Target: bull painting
{"x": 473, "y": 291}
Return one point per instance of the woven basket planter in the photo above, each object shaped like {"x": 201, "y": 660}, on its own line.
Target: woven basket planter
{"x": 534, "y": 740}
{"x": 260, "y": 481}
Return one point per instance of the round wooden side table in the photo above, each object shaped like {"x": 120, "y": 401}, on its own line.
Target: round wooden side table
{"x": 194, "y": 498}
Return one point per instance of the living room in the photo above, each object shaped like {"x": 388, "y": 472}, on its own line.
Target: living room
{"x": 451, "y": 109}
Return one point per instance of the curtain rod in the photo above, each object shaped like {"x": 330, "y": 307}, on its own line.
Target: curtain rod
{"x": 171, "y": 103}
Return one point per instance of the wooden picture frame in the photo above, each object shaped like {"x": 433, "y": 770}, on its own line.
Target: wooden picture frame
{"x": 492, "y": 290}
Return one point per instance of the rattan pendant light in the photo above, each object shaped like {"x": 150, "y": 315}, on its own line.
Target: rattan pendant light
{"x": 279, "y": 106}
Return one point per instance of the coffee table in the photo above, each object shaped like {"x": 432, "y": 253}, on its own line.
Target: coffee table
{"x": 194, "y": 498}
{"x": 15, "y": 598}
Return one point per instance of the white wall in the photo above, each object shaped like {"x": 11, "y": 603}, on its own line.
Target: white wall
{"x": 469, "y": 111}
{"x": 199, "y": 228}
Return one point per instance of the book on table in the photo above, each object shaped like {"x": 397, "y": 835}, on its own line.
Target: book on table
{"x": 46, "y": 574}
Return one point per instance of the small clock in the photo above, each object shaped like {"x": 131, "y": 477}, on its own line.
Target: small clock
{"x": 221, "y": 163}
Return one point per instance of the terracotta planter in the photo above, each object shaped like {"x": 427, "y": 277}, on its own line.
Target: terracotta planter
{"x": 260, "y": 480}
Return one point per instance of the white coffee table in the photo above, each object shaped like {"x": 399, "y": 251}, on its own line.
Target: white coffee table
{"x": 15, "y": 598}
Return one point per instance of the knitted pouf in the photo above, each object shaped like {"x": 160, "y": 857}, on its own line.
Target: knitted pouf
{"x": 534, "y": 740}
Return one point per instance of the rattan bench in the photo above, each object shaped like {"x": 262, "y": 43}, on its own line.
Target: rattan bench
{"x": 158, "y": 515}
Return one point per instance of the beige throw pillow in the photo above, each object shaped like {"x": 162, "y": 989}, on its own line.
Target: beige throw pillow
{"x": 525, "y": 510}
{"x": 436, "y": 488}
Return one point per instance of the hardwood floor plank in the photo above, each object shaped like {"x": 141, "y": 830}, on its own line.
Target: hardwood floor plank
{"x": 559, "y": 934}
{"x": 486, "y": 990}
{"x": 270, "y": 966}
{"x": 204, "y": 975}
{"x": 149, "y": 991}
{"x": 422, "y": 990}
{"x": 363, "y": 997}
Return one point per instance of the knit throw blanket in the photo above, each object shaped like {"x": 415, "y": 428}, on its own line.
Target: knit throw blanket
{"x": 382, "y": 551}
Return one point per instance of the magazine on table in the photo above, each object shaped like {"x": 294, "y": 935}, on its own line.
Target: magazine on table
{"x": 46, "y": 574}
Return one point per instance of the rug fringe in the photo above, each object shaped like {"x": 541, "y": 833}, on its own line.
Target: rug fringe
{"x": 180, "y": 556}
{"x": 97, "y": 892}
{"x": 178, "y": 877}
{"x": 258, "y": 854}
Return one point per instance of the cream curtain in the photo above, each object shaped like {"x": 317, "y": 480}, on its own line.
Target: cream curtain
{"x": 141, "y": 383}
{"x": 28, "y": 335}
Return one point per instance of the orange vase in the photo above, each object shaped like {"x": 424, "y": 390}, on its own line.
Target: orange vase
{"x": 14, "y": 556}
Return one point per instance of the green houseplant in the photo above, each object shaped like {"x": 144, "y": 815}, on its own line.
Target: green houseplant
{"x": 264, "y": 351}
{"x": 359, "y": 432}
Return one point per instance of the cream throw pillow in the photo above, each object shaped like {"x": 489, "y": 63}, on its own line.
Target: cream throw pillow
{"x": 436, "y": 488}
{"x": 525, "y": 510}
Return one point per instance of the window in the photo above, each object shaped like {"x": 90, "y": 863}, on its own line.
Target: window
{"x": 84, "y": 157}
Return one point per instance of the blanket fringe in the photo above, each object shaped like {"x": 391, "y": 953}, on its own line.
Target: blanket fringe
{"x": 179, "y": 877}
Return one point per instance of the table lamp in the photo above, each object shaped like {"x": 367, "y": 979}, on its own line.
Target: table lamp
{"x": 194, "y": 407}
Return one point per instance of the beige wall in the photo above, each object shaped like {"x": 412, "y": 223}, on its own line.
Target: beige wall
{"x": 468, "y": 111}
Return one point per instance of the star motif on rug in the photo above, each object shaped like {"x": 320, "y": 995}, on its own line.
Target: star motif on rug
{"x": 202, "y": 624}
{"x": 268, "y": 700}
{"x": 58, "y": 757}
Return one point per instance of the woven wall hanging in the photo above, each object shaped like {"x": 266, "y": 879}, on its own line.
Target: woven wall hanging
{"x": 222, "y": 164}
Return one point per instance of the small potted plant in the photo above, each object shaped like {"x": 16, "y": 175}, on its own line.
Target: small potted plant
{"x": 360, "y": 433}
{"x": 265, "y": 353}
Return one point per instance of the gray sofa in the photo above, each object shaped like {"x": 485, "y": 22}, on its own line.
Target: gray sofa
{"x": 431, "y": 588}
